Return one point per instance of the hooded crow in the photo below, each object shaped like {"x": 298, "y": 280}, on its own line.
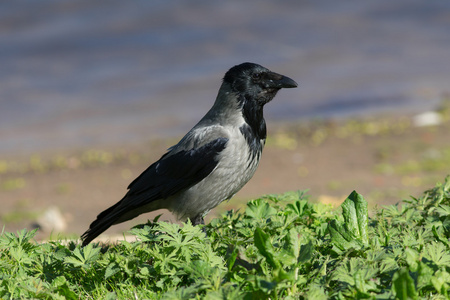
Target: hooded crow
{"x": 212, "y": 162}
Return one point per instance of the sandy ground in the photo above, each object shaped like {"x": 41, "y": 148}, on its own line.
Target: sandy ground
{"x": 386, "y": 160}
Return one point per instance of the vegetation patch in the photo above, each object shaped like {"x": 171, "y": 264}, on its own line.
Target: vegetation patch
{"x": 280, "y": 247}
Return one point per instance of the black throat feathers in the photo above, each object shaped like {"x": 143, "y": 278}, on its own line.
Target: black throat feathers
{"x": 254, "y": 130}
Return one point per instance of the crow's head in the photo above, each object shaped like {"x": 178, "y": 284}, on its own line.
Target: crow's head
{"x": 255, "y": 83}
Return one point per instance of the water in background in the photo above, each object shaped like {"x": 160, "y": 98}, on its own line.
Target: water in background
{"x": 87, "y": 73}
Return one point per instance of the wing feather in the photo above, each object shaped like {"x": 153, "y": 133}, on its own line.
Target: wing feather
{"x": 178, "y": 171}
{"x": 171, "y": 174}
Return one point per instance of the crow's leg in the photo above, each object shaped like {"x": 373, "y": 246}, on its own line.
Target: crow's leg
{"x": 197, "y": 220}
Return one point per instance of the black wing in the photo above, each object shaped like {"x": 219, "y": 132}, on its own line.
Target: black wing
{"x": 171, "y": 174}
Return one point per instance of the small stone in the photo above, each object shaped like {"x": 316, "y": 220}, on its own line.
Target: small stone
{"x": 51, "y": 220}
{"x": 429, "y": 118}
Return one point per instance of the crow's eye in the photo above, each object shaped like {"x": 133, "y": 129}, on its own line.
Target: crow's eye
{"x": 256, "y": 76}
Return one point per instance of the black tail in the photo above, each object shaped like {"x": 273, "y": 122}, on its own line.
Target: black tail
{"x": 104, "y": 220}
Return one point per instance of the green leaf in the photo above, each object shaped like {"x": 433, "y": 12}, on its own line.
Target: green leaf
{"x": 298, "y": 207}
{"x": 111, "y": 269}
{"x": 63, "y": 289}
{"x": 341, "y": 238}
{"x": 439, "y": 236}
{"x": 232, "y": 258}
{"x": 111, "y": 296}
{"x": 288, "y": 255}
{"x": 306, "y": 252}
{"x": 443, "y": 210}
{"x": 353, "y": 233}
{"x": 440, "y": 280}
{"x": 412, "y": 259}
{"x": 316, "y": 292}
{"x": 356, "y": 216}
{"x": 259, "y": 209}
{"x": 59, "y": 281}
{"x": 425, "y": 273}
{"x": 264, "y": 246}
{"x": 437, "y": 253}
{"x": 403, "y": 285}
{"x": 83, "y": 257}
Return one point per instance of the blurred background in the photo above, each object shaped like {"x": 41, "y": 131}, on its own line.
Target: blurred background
{"x": 92, "y": 92}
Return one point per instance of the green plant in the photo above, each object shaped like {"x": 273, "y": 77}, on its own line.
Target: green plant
{"x": 280, "y": 247}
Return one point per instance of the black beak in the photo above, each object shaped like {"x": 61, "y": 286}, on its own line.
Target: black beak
{"x": 280, "y": 81}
